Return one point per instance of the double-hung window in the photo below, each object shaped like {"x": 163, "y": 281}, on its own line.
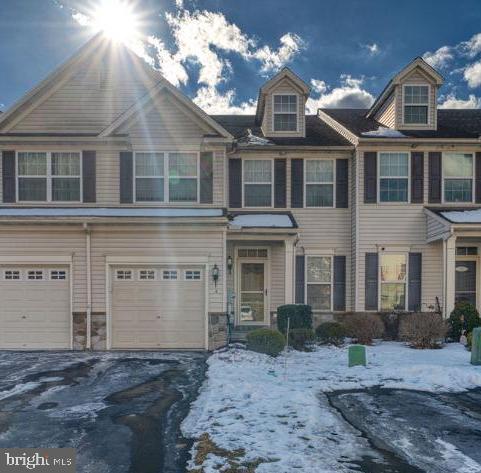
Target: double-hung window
{"x": 257, "y": 178}
{"x": 319, "y": 183}
{"x": 458, "y": 177}
{"x": 393, "y": 281}
{"x": 166, "y": 177}
{"x": 319, "y": 282}
{"x": 393, "y": 177}
{"x": 416, "y": 104}
{"x": 285, "y": 112}
{"x": 49, "y": 177}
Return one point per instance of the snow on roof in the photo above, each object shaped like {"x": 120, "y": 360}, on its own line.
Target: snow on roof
{"x": 251, "y": 139}
{"x": 383, "y": 132}
{"x": 463, "y": 216}
{"x": 109, "y": 212}
{"x": 263, "y": 220}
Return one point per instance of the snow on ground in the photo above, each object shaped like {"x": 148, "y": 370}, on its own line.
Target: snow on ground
{"x": 275, "y": 410}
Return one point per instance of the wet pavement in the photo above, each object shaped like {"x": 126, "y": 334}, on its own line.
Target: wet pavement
{"x": 121, "y": 411}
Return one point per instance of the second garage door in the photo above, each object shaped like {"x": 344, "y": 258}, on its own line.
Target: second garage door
{"x": 158, "y": 307}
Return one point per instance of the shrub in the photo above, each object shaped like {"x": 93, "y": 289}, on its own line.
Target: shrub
{"x": 391, "y": 324}
{"x": 423, "y": 329}
{"x": 265, "y": 340}
{"x": 463, "y": 317}
{"x": 300, "y": 337}
{"x": 364, "y": 327}
{"x": 469, "y": 345}
{"x": 300, "y": 316}
{"x": 331, "y": 332}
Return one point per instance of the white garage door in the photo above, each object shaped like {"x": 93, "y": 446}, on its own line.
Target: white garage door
{"x": 158, "y": 307}
{"x": 34, "y": 307}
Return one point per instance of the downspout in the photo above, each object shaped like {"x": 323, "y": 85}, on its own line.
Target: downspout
{"x": 89, "y": 286}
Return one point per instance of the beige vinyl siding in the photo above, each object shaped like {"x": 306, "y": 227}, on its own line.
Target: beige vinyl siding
{"x": 436, "y": 228}
{"x": 354, "y": 197}
{"x": 418, "y": 78}
{"x": 387, "y": 113}
{"x": 88, "y": 102}
{"x": 156, "y": 241}
{"x": 284, "y": 86}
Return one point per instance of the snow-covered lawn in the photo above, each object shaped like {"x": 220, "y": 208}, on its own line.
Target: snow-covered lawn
{"x": 274, "y": 408}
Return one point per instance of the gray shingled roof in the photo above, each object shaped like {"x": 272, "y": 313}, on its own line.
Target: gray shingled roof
{"x": 451, "y": 123}
{"x": 318, "y": 133}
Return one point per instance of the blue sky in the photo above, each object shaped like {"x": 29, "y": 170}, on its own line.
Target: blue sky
{"x": 220, "y": 51}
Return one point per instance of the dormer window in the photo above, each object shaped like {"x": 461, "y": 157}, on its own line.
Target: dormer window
{"x": 416, "y": 104}
{"x": 285, "y": 112}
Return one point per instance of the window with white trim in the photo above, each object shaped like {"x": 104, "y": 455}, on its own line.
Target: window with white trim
{"x": 319, "y": 282}
{"x": 123, "y": 275}
{"x": 35, "y": 274}
{"x": 169, "y": 275}
{"x": 192, "y": 275}
{"x": 11, "y": 275}
{"x": 458, "y": 172}
{"x": 466, "y": 251}
{"x": 393, "y": 281}
{"x": 147, "y": 275}
{"x": 49, "y": 177}
{"x": 285, "y": 112}
{"x": 58, "y": 274}
{"x": 166, "y": 177}
{"x": 393, "y": 177}
{"x": 319, "y": 182}
{"x": 258, "y": 181}
{"x": 416, "y": 104}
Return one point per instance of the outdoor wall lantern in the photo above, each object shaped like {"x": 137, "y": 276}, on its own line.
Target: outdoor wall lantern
{"x": 230, "y": 264}
{"x": 215, "y": 274}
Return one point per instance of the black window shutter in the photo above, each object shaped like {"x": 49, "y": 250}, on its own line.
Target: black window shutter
{"x": 280, "y": 183}
{"x": 8, "y": 178}
{"x": 414, "y": 281}
{"x": 126, "y": 177}
{"x": 342, "y": 188}
{"x": 297, "y": 184}
{"x": 417, "y": 177}
{"x": 435, "y": 178}
{"x": 235, "y": 183}
{"x": 300, "y": 268}
{"x": 370, "y": 177}
{"x": 478, "y": 178}
{"x": 89, "y": 179}
{"x": 340, "y": 283}
{"x": 206, "y": 177}
{"x": 371, "y": 273}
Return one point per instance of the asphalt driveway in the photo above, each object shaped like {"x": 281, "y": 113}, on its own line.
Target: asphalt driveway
{"x": 120, "y": 410}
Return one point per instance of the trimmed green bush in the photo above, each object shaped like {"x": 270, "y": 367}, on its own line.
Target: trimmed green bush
{"x": 300, "y": 337}
{"x": 265, "y": 340}
{"x": 300, "y": 316}
{"x": 463, "y": 317}
{"x": 331, "y": 332}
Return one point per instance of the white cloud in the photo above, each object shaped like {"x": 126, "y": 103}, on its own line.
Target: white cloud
{"x": 472, "y": 74}
{"x": 211, "y": 101}
{"x": 452, "y": 102}
{"x": 349, "y": 94}
{"x": 373, "y": 48}
{"x": 471, "y": 47}
{"x": 273, "y": 60}
{"x": 439, "y": 58}
{"x": 318, "y": 86}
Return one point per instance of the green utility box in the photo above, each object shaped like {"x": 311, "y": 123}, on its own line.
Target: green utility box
{"x": 476, "y": 347}
{"x": 357, "y": 355}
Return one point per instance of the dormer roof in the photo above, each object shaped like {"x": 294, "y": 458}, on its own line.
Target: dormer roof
{"x": 285, "y": 73}
{"x": 418, "y": 62}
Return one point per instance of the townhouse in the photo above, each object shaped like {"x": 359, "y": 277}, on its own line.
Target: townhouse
{"x": 131, "y": 219}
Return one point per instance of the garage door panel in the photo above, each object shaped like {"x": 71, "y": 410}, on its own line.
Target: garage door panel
{"x": 158, "y": 313}
{"x": 35, "y": 314}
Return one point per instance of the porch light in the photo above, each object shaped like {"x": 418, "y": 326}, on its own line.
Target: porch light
{"x": 215, "y": 274}
{"x": 230, "y": 264}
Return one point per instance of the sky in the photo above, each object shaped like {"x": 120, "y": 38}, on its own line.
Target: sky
{"x": 219, "y": 52}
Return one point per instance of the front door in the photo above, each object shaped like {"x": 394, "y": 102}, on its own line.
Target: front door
{"x": 466, "y": 282}
{"x": 252, "y": 293}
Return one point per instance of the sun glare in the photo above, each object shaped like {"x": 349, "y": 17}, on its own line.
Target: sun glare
{"x": 117, "y": 20}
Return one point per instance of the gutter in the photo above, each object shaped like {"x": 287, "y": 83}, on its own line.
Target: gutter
{"x": 88, "y": 232}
